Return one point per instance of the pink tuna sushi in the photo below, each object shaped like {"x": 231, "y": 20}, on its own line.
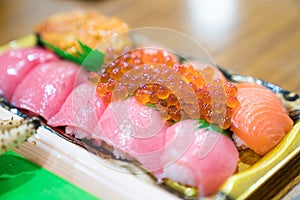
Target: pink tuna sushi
{"x": 205, "y": 163}
{"x": 80, "y": 112}
{"x": 134, "y": 129}
{"x": 45, "y": 88}
{"x": 16, "y": 63}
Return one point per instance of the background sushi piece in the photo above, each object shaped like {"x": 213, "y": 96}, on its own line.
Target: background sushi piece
{"x": 92, "y": 28}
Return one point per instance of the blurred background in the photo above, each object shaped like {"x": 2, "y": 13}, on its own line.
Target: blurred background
{"x": 260, "y": 38}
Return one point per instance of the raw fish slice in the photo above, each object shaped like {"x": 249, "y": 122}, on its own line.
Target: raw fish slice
{"x": 134, "y": 129}
{"x": 16, "y": 63}
{"x": 80, "y": 112}
{"x": 205, "y": 163}
{"x": 45, "y": 88}
{"x": 260, "y": 119}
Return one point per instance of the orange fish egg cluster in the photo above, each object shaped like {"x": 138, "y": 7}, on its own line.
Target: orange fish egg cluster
{"x": 177, "y": 91}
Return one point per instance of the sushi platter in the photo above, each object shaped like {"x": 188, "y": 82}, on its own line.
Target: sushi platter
{"x": 81, "y": 134}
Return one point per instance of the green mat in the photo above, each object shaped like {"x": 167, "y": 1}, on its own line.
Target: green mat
{"x": 22, "y": 179}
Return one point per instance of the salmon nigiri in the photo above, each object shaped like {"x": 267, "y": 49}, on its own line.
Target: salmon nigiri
{"x": 260, "y": 119}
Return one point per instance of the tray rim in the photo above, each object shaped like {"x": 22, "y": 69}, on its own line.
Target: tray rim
{"x": 226, "y": 190}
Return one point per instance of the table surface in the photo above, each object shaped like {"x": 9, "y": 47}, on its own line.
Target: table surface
{"x": 260, "y": 38}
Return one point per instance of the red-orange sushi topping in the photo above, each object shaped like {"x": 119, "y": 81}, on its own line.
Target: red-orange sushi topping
{"x": 177, "y": 91}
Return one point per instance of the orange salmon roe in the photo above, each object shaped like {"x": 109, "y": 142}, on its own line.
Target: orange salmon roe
{"x": 177, "y": 91}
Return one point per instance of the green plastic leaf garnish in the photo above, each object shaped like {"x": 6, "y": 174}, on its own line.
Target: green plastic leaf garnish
{"x": 204, "y": 124}
{"x": 150, "y": 105}
{"x": 88, "y": 58}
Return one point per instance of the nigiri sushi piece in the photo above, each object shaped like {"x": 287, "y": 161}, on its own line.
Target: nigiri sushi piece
{"x": 260, "y": 120}
{"x": 202, "y": 158}
{"x": 45, "y": 88}
{"x": 80, "y": 111}
{"x": 92, "y": 28}
{"x": 15, "y": 132}
{"x": 16, "y": 63}
{"x": 133, "y": 129}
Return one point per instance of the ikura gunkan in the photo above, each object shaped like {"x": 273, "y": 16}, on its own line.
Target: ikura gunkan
{"x": 178, "y": 121}
{"x": 178, "y": 91}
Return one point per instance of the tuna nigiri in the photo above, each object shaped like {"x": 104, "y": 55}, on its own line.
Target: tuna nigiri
{"x": 204, "y": 162}
{"x": 260, "y": 119}
{"x": 46, "y": 87}
{"x": 80, "y": 112}
{"x": 135, "y": 129}
{"x": 16, "y": 63}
